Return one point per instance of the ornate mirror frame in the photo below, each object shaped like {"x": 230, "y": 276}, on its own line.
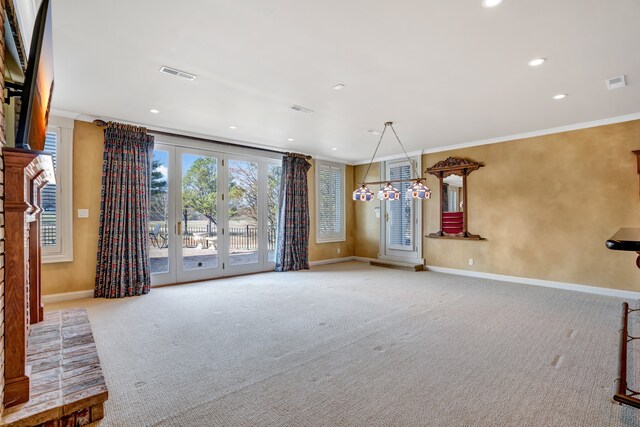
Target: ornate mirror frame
{"x": 443, "y": 169}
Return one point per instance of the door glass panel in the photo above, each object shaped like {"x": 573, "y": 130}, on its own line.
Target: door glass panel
{"x": 159, "y": 213}
{"x": 198, "y": 218}
{"x": 274, "y": 173}
{"x": 243, "y": 212}
{"x": 400, "y": 221}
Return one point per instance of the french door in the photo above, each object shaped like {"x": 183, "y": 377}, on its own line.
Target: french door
{"x": 212, "y": 214}
{"x": 401, "y": 225}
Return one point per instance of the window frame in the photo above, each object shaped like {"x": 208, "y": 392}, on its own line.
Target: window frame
{"x": 62, "y": 251}
{"x": 330, "y": 237}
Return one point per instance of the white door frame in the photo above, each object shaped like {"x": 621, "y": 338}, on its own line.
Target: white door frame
{"x": 263, "y": 263}
{"x": 386, "y": 253}
{"x": 176, "y": 274}
{"x": 168, "y": 277}
{"x": 204, "y": 273}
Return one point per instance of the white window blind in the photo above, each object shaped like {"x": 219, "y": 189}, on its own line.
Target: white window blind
{"x": 329, "y": 202}
{"x": 56, "y": 228}
{"x": 400, "y": 211}
{"x": 48, "y": 225}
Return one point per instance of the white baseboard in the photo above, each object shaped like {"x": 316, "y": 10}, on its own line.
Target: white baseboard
{"x": 67, "y": 296}
{"x": 331, "y": 261}
{"x": 538, "y": 282}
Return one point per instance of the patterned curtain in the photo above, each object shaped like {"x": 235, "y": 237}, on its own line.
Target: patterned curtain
{"x": 292, "y": 244}
{"x": 123, "y": 258}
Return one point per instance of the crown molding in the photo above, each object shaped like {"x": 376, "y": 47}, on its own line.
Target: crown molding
{"x": 514, "y": 137}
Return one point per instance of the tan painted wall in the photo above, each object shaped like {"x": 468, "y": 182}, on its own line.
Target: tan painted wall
{"x": 546, "y": 206}
{"x": 367, "y": 240}
{"x": 323, "y": 251}
{"x": 78, "y": 275}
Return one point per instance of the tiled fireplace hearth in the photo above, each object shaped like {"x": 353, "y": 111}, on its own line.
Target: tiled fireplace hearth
{"x": 67, "y": 387}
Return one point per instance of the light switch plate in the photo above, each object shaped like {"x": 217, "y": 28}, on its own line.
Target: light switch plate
{"x": 83, "y": 213}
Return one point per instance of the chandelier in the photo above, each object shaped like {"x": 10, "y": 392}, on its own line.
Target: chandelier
{"x": 417, "y": 190}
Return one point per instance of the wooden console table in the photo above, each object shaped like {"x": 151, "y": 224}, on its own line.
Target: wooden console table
{"x": 626, "y": 239}
{"x": 26, "y": 172}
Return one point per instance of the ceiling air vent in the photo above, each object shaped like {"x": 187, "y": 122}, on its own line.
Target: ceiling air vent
{"x": 301, "y": 109}
{"x": 616, "y": 82}
{"x": 177, "y": 73}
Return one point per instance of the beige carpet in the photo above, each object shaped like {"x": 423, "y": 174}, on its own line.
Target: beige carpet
{"x": 354, "y": 345}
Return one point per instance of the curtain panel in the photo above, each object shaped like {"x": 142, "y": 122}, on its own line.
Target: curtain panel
{"x": 292, "y": 243}
{"x": 123, "y": 258}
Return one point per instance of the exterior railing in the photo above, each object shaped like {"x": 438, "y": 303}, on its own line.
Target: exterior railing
{"x": 239, "y": 237}
{"x": 48, "y": 234}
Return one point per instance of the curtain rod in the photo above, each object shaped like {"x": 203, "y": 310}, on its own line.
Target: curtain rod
{"x": 102, "y": 123}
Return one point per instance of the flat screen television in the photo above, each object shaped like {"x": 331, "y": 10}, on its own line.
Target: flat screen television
{"x": 38, "y": 84}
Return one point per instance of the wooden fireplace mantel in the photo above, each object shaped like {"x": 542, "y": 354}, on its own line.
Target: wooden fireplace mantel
{"x": 26, "y": 172}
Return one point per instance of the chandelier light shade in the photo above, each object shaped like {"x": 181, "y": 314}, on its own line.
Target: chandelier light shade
{"x": 363, "y": 194}
{"x": 417, "y": 190}
{"x": 388, "y": 192}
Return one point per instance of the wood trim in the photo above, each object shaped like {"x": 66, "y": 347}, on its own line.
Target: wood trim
{"x": 453, "y": 165}
{"x": 624, "y": 394}
{"x": 443, "y": 169}
{"x": 16, "y": 390}
{"x": 455, "y": 236}
{"x": 16, "y": 327}
{"x": 26, "y": 172}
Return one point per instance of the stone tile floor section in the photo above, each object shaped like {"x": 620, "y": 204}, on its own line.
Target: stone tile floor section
{"x": 67, "y": 385}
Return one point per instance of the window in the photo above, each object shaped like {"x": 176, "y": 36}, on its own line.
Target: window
{"x": 57, "y": 216}
{"x": 329, "y": 202}
{"x": 400, "y": 212}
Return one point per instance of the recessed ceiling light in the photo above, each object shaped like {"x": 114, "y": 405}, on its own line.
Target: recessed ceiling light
{"x": 334, "y": 149}
{"x": 233, "y": 127}
{"x": 537, "y": 62}
{"x": 374, "y": 132}
{"x": 491, "y": 3}
{"x": 339, "y": 86}
{"x": 154, "y": 111}
{"x": 290, "y": 139}
{"x": 560, "y": 96}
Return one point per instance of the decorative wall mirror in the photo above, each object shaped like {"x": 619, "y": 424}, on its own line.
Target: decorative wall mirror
{"x": 454, "y": 206}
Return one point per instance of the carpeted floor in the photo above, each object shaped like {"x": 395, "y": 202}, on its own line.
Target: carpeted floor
{"x": 353, "y": 345}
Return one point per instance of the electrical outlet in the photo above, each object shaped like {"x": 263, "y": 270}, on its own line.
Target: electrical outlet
{"x": 83, "y": 213}
{"x": 470, "y": 261}
{"x": 339, "y": 250}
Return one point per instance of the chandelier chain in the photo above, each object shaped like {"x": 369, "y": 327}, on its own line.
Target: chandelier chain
{"x": 413, "y": 168}
{"x": 374, "y": 153}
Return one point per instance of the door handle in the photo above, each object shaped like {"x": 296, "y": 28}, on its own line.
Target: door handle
{"x": 179, "y": 228}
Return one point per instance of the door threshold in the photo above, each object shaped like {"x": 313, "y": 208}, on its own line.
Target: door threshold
{"x": 212, "y": 278}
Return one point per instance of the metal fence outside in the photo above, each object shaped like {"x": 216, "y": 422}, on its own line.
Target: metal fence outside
{"x": 239, "y": 237}
{"x": 48, "y": 234}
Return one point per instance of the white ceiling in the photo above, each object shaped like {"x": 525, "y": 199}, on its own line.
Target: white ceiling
{"x": 447, "y": 72}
